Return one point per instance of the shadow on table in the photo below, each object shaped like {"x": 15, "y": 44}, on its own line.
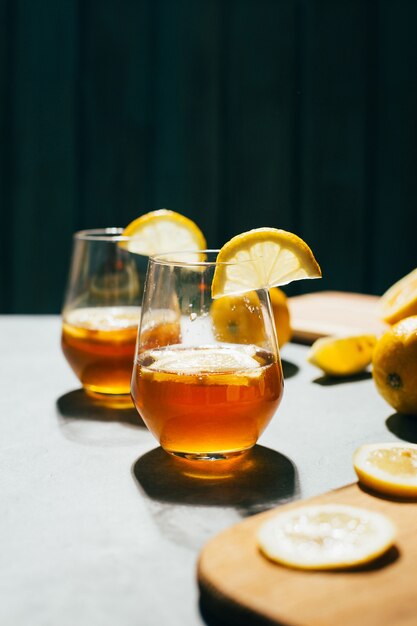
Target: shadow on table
{"x": 253, "y": 482}
{"x": 289, "y": 369}
{"x": 403, "y": 426}
{"x": 329, "y": 381}
{"x": 191, "y": 501}
{"x": 92, "y": 421}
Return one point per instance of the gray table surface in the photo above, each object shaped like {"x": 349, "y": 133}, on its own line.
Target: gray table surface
{"x": 99, "y": 526}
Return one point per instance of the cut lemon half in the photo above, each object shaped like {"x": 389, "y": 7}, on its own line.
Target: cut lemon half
{"x": 400, "y": 300}
{"x": 163, "y": 231}
{"x": 328, "y": 536}
{"x": 260, "y": 259}
{"x": 342, "y": 356}
{"x": 390, "y": 468}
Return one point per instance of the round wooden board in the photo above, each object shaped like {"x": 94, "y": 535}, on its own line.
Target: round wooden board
{"x": 239, "y": 585}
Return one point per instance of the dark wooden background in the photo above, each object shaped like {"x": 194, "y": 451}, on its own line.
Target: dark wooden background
{"x": 238, "y": 113}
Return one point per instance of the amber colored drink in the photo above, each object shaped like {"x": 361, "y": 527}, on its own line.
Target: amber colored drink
{"x": 99, "y": 344}
{"x": 213, "y": 400}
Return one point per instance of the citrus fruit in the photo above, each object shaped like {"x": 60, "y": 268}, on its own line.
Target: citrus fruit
{"x": 394, "y": 366}
{"x": 328, "y": 536}
{"x": 260, "y": 259}
{"x": 282, "y": 316}
{"x": 390, "y": 468}
{"x": 400, "y": 300}
{"x": 238, "y": 318}
{"x": 342, "y": 356}
{"x": 162, "y": 231}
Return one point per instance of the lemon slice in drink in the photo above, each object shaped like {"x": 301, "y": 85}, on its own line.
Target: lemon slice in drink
{"x": 342, "y": 356}
{"x": 260, "y": 259}
{"x": 328, "y": 536}
{"x": 390, "y": 468}
{"x": 205, "y": 365}
{"x": 162, "y": 231}
{"x": 203, "y": 360}
{"x": 400, "y": 300}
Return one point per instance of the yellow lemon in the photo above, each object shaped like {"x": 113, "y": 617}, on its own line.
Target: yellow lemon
{"x": 282, "y": 315}
{"x": 400, "y": 300}
{"x": 162, "y": 231}
{"x": 260, "y": 259}
{"x": 395, "y": 366}
{"x": 342, "y": 356}
{"x": 238, "y": 319}
{"x": 390, "y": 468}
{"x": 328, "y": 536}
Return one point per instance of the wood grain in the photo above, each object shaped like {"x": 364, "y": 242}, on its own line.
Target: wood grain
{"x": 239, "y": 585}
{"x": 317, "y": 315}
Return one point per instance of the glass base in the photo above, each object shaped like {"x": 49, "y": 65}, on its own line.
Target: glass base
{"x": 207, "y": 456}
{"x": 113, "y": 401}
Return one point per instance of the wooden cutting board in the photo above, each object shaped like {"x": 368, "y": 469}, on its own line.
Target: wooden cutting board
{"x": 240, "y": 586}
{"x": 325, "y": 313}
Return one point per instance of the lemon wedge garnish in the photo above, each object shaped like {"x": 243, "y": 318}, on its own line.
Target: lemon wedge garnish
{"x": 162, "y": 231}
{"x": 400, "y": 300}
{"x": 260, "y": 259}
{"x": 390, "y": 468}
{"x": 342, "y": 356}
{"x": 328, "y": 536}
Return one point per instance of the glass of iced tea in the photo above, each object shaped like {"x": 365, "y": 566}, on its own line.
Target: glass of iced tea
{"x": 204, "y": 398}
{"x": 101, "y": 312}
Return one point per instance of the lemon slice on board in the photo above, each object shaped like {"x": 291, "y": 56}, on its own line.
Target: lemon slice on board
{"x": 260, "y": 259}
{"x": 328, "y": 536}
{"x": 400, "y": 300}
{"x": 162, "y": 231}
{"x": 390, "y": 468}
{"x": 342, "y": 356}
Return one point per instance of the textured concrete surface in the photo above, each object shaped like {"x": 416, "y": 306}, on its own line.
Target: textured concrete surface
{"x": 100, "y": 527}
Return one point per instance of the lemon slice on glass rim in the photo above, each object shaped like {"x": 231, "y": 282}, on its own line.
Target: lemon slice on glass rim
{"x": 325, "y": 537}
{"x": 260, "y": 259}
{"x": 389, "y": 468}
{"x": 162, "y": 231}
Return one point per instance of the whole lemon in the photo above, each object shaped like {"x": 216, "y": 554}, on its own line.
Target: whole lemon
{"x": 238, "y": 319}
{"x": 395, "y": 366}
{"x": 281, "y": 315}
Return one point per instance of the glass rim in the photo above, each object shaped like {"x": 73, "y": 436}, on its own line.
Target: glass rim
{"x": 166, "y": 258}
{"x": 112, "y": 233}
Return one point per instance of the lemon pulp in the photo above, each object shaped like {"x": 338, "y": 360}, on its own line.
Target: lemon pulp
{"x": 389, "y": 468}
{"x": 330, "y": 536}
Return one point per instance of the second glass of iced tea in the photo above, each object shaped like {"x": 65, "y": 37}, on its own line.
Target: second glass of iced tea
{"x": 201, "y": 397}
{"x": 101, "y": 313}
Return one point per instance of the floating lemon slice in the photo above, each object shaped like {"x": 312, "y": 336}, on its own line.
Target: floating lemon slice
{"x": 400, "y": 300}
{"x": 208, "y": 360}
{"x": 162, "y": 231}
{"x": 329, "y": 536}
{"x": 260, "y": 259}
{"x": 390, "y": 468}
{"x": 342, "y": 356}
{"x": 203, "y": 366}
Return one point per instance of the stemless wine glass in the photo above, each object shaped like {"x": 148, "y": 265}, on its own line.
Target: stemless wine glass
{"x": 101, "y": 312}
{"x": 203, "y": 397}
